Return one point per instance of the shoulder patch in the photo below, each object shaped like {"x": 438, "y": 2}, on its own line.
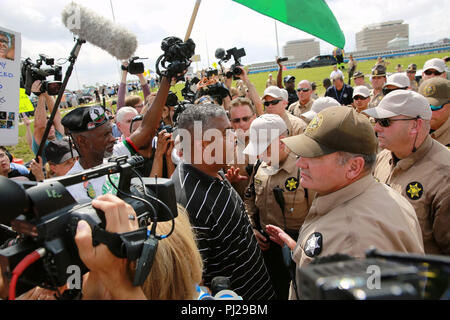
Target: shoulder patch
{"x": 313, "y": 246}
{"x": 414, "y": 190}
{"x": 291, "y": 184}
{"x": 314, "y": 124}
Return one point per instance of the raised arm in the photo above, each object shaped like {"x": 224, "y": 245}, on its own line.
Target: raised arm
{"x": 252, "y": 93}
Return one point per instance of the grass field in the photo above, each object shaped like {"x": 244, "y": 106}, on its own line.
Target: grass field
{"x": 22, "y": 151}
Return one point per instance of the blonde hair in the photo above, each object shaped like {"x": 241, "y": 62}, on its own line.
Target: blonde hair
{"x": 177, "y": 267}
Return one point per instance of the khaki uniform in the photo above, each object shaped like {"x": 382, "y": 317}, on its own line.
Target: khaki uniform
{"x": 264, "y": 202}
{"x": 297, "y": 109}
{"x": 414, "y": 86}
{"x": 352, "y": 219}
{"x": 442, "y": 134}
{"x": 375, "y": 99}
{"x": 294, "y": 124}
{"x": 423, "y": 179}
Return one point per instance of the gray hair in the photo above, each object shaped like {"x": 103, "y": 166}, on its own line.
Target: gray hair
{"x": 369, "y": 159}
{"x": 123, "y": 111}
{"x": 200, "y": 112}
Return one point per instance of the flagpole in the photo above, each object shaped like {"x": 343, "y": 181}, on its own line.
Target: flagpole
{"x": 114, "y": 19}
{"x": 191, "y": 22}
{"x": 276, "y": 37}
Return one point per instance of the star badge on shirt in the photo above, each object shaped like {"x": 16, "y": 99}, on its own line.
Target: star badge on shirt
{"x": 291, "y": 184}
{"x": 313, "y": 245}
{"x": 414, "y": 190}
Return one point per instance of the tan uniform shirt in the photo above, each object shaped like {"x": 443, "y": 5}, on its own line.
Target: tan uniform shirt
{"x": 423, "y": 179}
{"x": 297, "y": 109}
{"x": 294, "y": 124}
{"x": 414, "y": 86}
{"x": 287, "y": 178}
{"x": 348, "y": 221}
{"x": 442, "y": 134}
{"x": 375, "y": 99}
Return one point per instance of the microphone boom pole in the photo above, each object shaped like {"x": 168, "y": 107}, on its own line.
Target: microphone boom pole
{"x": 73, "y": 57}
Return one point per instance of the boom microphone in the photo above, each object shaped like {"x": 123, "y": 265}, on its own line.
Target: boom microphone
{"x": 99, "y": 31}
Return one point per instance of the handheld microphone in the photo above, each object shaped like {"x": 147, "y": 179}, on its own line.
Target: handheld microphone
{"x": 99, "y": 31}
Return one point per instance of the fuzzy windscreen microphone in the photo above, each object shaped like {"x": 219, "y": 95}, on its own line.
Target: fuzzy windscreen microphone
{"x": 99, "y": 31}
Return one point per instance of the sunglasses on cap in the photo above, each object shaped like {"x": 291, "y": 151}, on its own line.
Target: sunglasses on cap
{"x": 273, "y": 102}
{"x": 386, "y": 122}
{"x": 436, "y": 108}
{"x": 303, "y": 89}
{"x": 430, "y": 72}
{"x": 245, "y": 119}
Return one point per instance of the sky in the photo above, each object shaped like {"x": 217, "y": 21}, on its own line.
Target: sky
{"x": 219, "y": 24}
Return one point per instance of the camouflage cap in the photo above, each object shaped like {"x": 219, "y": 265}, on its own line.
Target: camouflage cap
{"x": 379, "y": 70}
{"x": 412, "y": 67}
{"x": 436, "y": 90}
{"x": 358, "y": 74}
{"x": 335, "y": 129}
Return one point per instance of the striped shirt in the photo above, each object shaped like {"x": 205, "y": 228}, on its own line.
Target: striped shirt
{"x": 224, "y": 235}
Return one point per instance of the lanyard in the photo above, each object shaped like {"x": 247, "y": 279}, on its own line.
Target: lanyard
{"x": 342, "y": 92}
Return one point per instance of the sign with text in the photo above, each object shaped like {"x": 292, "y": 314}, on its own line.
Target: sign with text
{"x": 10, "y": 45}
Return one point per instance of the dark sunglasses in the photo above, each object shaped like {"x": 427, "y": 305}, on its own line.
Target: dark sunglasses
{"x": 303, "y": 89}
{"x": 245, "y": 119}
{"x": 436, "y": 108}
{"x": 273, "y": 102}
{"x": 359, "y": 98}
{"x": 386, "y": 122}
{"x": 430, "y": 72}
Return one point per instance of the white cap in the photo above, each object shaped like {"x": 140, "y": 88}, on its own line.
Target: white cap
{"x": 436, "y": 64}
{"x": 320, "y": 104}
{"x": 263, "y": 131}
{"x": 276, "y": 93}
{"x": 401, "y": 102}
{"x": 361, "y": 91}
{"x": 399, "y": 79}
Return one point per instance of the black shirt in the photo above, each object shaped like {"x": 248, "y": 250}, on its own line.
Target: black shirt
{"x": 343, "y": 96}
{"x": 292, "y": 97}
{"x": 224, "y": 235}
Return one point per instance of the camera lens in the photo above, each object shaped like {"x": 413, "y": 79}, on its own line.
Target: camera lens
{"x": 237, "y": 71}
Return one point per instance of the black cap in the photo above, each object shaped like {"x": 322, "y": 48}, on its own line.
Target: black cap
{"x": 85, "y": 118}
{"x": 289, "y": 78}
{"x": 58, "y": 151}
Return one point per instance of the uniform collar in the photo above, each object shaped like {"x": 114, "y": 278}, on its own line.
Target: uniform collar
{"x": 420, "y": 153}
{"x": 445, "y": 127}
{"x": 324, "y": 204}
{"x": 288, "y": 165}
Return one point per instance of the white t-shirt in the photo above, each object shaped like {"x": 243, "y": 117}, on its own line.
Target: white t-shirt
{"x": 95, "y": 187}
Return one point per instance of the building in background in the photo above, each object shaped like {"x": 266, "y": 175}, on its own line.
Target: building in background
{"x": 300, "y": 50}
{"x": 376, "y": 37}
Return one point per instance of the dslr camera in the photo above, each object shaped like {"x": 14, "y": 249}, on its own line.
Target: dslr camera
{"x": 44, "y": 216}
{"x": 31, "y": 72}
{"x": 134, "y": 67}
{"x": 234, "y": 53}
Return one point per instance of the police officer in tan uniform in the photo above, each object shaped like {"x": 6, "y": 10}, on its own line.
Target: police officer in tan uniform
{"x": 351, "y": 211}
{"x": 411, "y": 74}
{"x": 378, "y": 79}
{"x": 274, "y": 195}
{"x": 275, "y": 102}
{"x": 437, "y": 92}
{"x": 414, "y": 164}
{"x": 305, "y": 101}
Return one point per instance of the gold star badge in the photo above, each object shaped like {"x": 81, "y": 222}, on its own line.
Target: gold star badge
{"x": 291, "y": 183}
{"x": 414, "y": 190}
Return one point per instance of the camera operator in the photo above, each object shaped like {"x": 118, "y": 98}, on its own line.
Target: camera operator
{"x": 40, "y": 120}
{"x": 289, "y": 83}
{"x": 7, "y": 171}
{"x": 132, "y": 101}
{"x": 251, "y": 91}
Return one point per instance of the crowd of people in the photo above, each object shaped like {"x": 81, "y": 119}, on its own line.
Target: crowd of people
{"x": 270, "y": 183}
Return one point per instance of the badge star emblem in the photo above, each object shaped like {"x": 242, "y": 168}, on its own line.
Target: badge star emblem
{"x": 291, "y": 184}
{"x": 313, "y": 245}
{"x": 414, "y": 190}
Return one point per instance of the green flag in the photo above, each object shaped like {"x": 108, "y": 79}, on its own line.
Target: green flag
{"x": 311, "y": 16}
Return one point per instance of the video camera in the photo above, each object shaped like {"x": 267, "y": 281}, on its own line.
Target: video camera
{"x": 234, "y": 53}
{"x": 177, "y": 53}
{"x": 134, "y": 67}
{"x": 187, "y": 91}
{"x": 45, "y": 216}
{"x": 30, "y": 72}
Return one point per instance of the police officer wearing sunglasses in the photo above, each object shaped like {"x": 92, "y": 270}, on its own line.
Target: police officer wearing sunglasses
{"x": 414, "y": 164}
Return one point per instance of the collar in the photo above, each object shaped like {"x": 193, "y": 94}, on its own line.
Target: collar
{"x": 445, "y": 127}
{"x": 420, "y": 153}
{"x": 200, "y": 175}
{"x": 324, "y": 204}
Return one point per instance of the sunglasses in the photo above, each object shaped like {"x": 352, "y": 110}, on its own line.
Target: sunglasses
{"x": 302, "y": 89}
{"x": 386, "y": 122}
{"x": 245, "y": 119}
{"x": 273, "y": 102}
{"x": 359, "y": 98}
{"x": 436, "y": 108}
{"x": 430, "y": 72}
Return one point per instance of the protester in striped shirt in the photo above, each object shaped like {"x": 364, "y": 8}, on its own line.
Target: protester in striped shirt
{"x": 224, "y": 235}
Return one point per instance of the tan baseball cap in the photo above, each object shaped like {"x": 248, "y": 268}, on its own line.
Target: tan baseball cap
{"x": 399, "y": 79}
{"x": 276, "y": 93}
{"x": 320, "y": 104}
{"x": 435, "y": 63}
{"x": 401, "y": 102}
{"x": 335, "y": 129}
{"x": 263, "y": 131}
{"x": 436, "y": 90}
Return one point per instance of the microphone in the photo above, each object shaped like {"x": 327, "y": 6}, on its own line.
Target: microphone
{"x": 99, "y": 31}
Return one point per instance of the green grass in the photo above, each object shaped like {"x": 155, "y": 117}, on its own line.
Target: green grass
{"x": 21, "y": 150}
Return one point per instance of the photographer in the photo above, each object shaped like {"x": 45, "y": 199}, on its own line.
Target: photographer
{"x": 252, "y": 93}
{"x": 134, "y": 100}
{"x": 289, "y": 83}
